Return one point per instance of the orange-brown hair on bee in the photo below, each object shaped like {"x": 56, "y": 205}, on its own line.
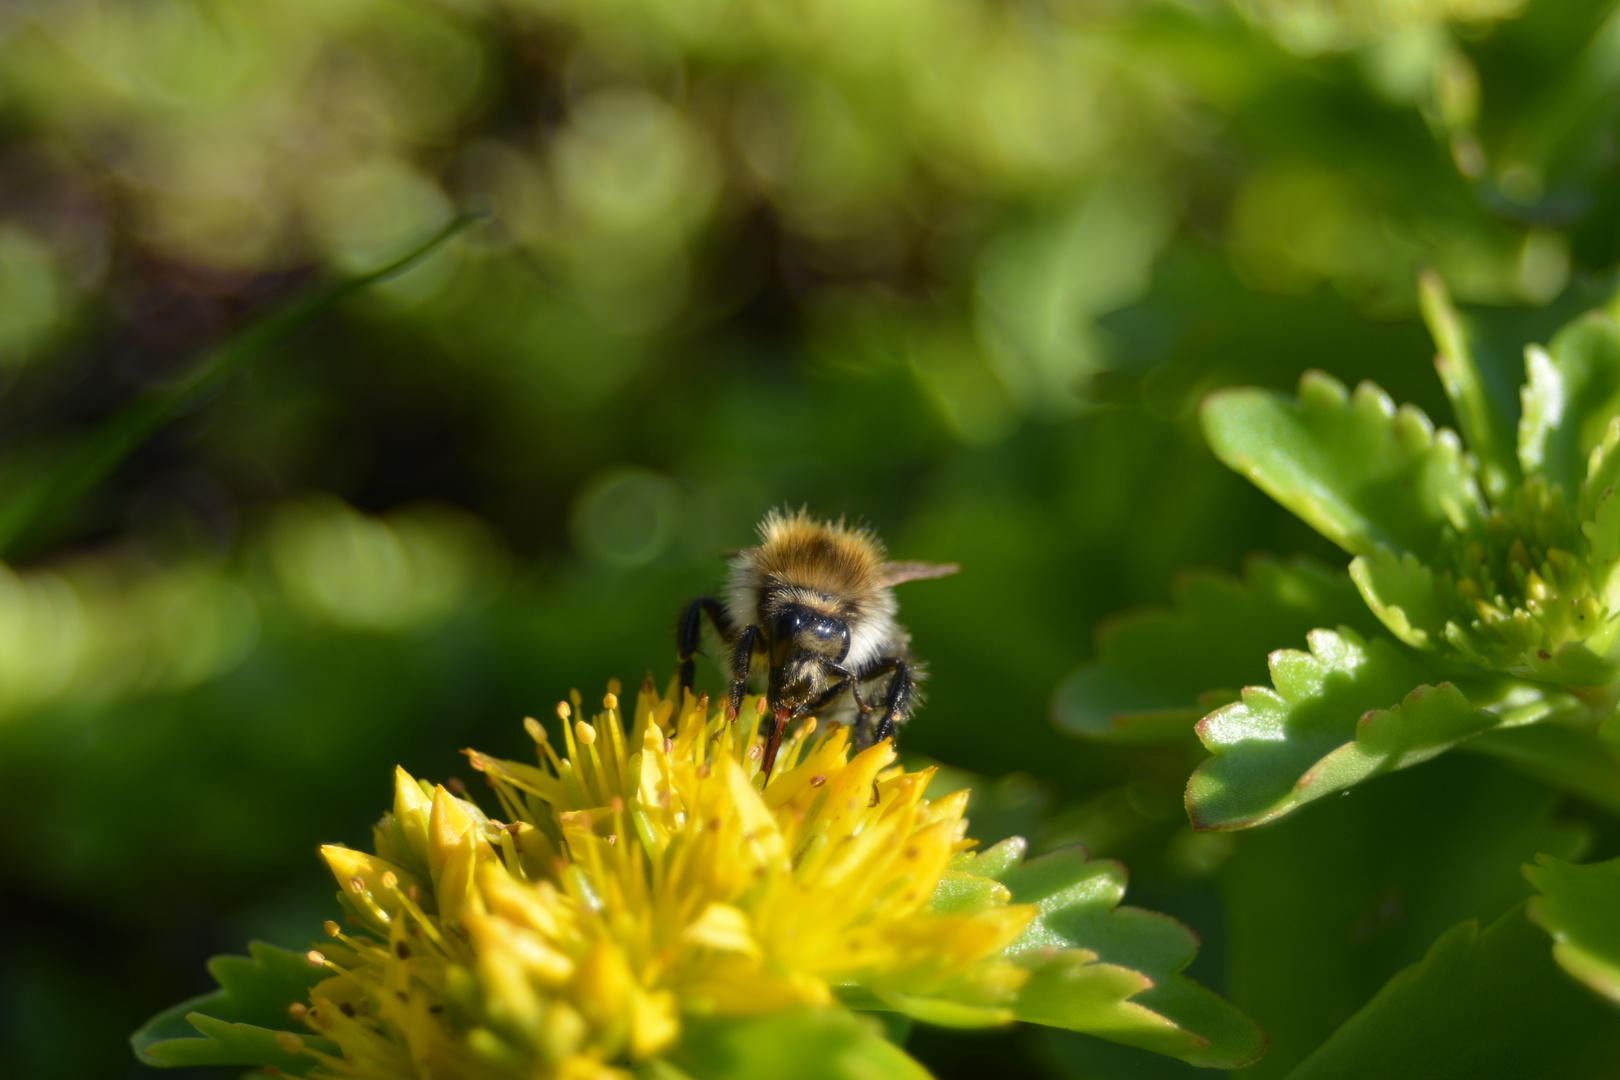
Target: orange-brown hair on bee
{"x": 812, "y": 606}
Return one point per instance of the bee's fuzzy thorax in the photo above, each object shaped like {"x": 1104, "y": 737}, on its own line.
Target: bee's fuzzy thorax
{"x": 827, "y": 565}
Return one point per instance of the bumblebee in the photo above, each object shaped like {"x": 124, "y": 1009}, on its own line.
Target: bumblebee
{"x": 811, "y": 608}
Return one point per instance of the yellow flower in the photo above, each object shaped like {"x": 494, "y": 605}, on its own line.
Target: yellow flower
{"x": 648, "y": 876}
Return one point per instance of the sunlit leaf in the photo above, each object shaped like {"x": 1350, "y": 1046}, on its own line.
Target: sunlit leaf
{"x": 1572, "y": 390}
{"x": 1154, "y": 666}
{"x": 1488, "y": 1003}
{"x": 1354, "y": 467}
{"x": 1109, "y": 970}
{"x": 245, "y": 1021}
{"x": 1580, "y": 907}
{"x": 1347, "y": 710}
{"x": 1599, "y": 512}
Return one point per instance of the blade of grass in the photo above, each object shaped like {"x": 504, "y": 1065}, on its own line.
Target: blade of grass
{"x": 27, "y": 512}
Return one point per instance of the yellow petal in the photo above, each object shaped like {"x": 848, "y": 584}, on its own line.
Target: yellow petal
{"x": 849, "y": 792}
{"x": 654, "y": 1023}
{"x": 723, "y": 928}
{"x": 761, "y": 839}
{"x": 948, "y": 808}
{"x": 411, "y": 810}
{"x": 502, "y": 975}
{"x": 602, "y": 985}
{"x": 449, "y": 826}
{"x": 454, "y": 887}
{"x": 364, "y": 880}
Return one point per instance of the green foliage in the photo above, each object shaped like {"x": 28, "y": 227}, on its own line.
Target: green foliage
{"x": 1487, "y": 1003}
{"x": 1483, "y": 398}
{"x": 1324, "y": 906}
{"x": 1339, "y": 714}
{"x": 1490, "y": 574}
{"x": 1357, "y": 469}
{"x": 1571, "y": 758}
{"x": 1512, "y": 580}
{"x": 1100, "y": 968}
{"x": 1153, "y": 667}
{"x": 1578, "y": 906}
{"x": 244, "y": 1022}
{"x": 1571, "y": 393}
{"x": 805, "y": 1045}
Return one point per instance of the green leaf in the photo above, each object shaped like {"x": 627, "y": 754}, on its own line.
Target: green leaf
{"x": 1486, "y": 407}
{"x": 28, "y": 511}
{"x": 1570, "y": 758}
{"x": 1354, "y": 467}
{"x": 1602, "y": 474}
{"x": 239, "y": 1023}
{"x": 1400, "y": 589}
{"x": 1324, "y": 906}
{"x": 1599, "y": 512}
{"x": 1154, "y": 666}
{"x": 1108, "y": 970}
{"x": 1479, "y": 1004}
{"x": 1571, "y": 392}
{"x": 819, "y": 1044}
{"x": 1580, "y": 907}
{"x": 1339, "y": 714}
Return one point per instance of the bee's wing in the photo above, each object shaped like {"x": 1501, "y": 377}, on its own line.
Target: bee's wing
{"x": 896, "y": 572}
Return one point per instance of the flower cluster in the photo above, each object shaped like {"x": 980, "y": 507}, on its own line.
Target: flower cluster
{"x": 1524, "y": 583}
{"x": 647, "y": 877}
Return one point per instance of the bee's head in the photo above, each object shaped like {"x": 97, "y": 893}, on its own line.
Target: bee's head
{"x": 805, "y": 644}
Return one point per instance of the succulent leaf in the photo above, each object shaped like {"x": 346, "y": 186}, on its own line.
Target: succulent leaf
{"x": 1402, "y": 591}
{"x": 1155, "y": 667}
{"x": 807, "y": 1044}
{"x": 1572, "y": 759}
{"x": 1600, "y": 517}
{"x": 1580, "y": 907}
{"x": 1109, "y": 970}
{"x": 1343, "y": 712}
{"x": 1572, "y": 389}
{"x": 1526, "y": 583}
{"x": 245, "y": 1021}
{"x": 1326, "y": 905}
{"x": 1487, "y": 408}
{"x": 1353, "y": 466}
{"x": 1487, "y": 1003}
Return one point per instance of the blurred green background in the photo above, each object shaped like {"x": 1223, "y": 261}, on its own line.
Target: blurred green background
{"x": 957, "y": 268}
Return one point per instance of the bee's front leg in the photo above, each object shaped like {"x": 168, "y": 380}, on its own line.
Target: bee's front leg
{"x": 863, "y": 716}
{"x": 897, "y": 702}
{"x": 689, "y": 633}
{"x": 742, "y": 659}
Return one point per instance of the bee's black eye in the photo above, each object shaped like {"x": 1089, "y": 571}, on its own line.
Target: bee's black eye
{"x": 833, "y": 634}
{"x": 788, "y": 623}
{"x": 798, "y": 629}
